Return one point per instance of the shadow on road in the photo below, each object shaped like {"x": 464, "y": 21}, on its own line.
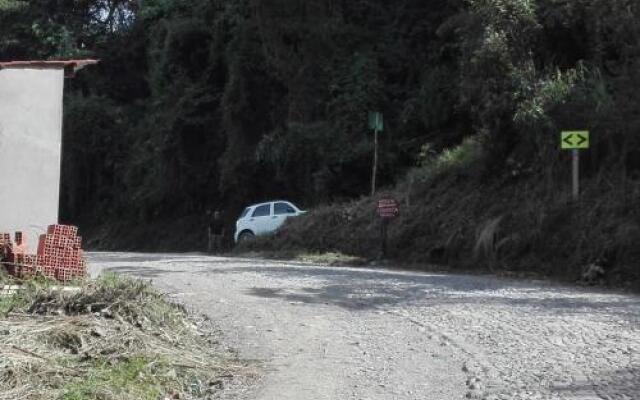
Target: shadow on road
{"x": 621, "y": 381}
{"x": 370, "y": 295}
{"x": 365, "y": 289}
{"x": 142, "y": 272}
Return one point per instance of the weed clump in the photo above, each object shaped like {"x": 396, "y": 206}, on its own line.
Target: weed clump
{"x": 113, "y": 338}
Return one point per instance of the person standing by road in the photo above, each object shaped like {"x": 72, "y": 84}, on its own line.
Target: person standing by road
{"x": 216, "y": 231}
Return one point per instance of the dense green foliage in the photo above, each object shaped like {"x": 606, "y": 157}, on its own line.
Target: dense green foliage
{"x": 219, "y": 103}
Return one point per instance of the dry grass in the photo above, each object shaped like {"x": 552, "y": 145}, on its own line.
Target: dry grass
{"x": 330, "y": 258}
{"x": 113, "y": 339}
{"x": 487, "y": 242}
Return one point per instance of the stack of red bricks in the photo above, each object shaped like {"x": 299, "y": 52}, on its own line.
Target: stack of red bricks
{"x": 24, "y": 266}
{"x": 18, "y": 265}
{"x": 59, "y": 257}
{"x": 60, "y": 254}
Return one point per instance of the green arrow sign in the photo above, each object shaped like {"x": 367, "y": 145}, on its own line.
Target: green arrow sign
{"x": 572, "y": 140}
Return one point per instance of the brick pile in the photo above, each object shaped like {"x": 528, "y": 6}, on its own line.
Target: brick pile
{"x": 59, "y": 256}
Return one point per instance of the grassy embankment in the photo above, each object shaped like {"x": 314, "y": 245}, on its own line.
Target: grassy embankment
{"x": 455, "y": 214}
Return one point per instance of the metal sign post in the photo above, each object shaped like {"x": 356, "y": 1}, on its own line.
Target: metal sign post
{"x": 575, "y": 154}
{"x": 575, "y": 141}
{"x": 376, "y": 122}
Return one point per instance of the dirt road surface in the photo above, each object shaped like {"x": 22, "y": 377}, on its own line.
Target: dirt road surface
{"x": 344, "y": 333}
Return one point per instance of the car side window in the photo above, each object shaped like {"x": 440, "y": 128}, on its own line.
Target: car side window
{"x": 262, "y": 211}
{"x": 283, "y": 209}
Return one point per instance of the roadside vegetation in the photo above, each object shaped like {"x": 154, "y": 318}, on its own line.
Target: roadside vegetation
{"x": 110, "y": 339}
{"x": 451, "y": 217}
{"x": 219, "y": 104}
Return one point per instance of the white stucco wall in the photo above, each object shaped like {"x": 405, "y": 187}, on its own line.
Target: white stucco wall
{"x": 30, "y": 150}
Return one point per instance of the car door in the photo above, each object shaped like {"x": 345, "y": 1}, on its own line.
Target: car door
{"x": 261, "y": 219}
{"x": 281, "y": 211}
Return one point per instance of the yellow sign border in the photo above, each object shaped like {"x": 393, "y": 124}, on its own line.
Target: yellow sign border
{"x": 576, "y": 146}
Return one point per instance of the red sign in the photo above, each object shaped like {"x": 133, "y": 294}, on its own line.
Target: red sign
{"x": 388, "y": 208}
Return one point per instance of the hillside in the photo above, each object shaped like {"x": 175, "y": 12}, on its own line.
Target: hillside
{"x": 519, "y": 222}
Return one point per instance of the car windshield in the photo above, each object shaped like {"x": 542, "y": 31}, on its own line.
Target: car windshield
{"x": 245, "y": 212}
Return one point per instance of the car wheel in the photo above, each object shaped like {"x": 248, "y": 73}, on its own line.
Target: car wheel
{"x": 246, "y": 236}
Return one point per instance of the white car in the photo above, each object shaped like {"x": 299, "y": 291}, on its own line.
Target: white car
{"x": 264, "y": 218}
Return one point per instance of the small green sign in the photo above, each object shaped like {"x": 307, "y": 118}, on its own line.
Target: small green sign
{"x": 572, "y": 140}
{"x": 376, "y": 121}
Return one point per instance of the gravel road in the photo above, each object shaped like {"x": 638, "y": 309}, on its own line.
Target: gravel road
{"x": 344, "y": 333}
